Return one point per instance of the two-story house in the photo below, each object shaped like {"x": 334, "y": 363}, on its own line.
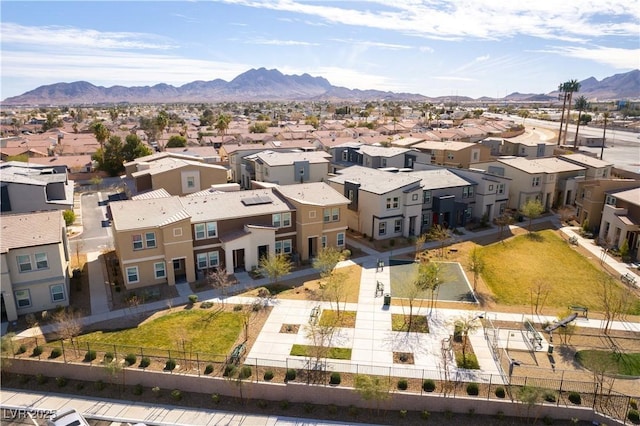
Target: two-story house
{"x": 355, "y": 153}
{"x": 591, "y": 195}
{"x": 454, "y": 153}
{"x": 594, "y": 168}
{"x": 621, "y": 220}
{"x": 34, "y": 268}
{"x": 285, "y": 168}
{"x": 383, "y": 204}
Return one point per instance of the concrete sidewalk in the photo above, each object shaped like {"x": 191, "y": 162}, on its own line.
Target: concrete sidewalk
{"x": 137, "y": 412}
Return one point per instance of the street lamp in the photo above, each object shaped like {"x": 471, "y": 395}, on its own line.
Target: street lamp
{"x": 512, "y": 363}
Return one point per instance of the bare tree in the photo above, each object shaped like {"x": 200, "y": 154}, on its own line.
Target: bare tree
{"x": 475, "y": 265}
{"x": 612, "y": 301}
{"x": 320, "y": 335}
{"x": 333, "y": 290}
{"x": 429, "y": 279}
{"x": 420, "y": 240}
{"x": 539, "y": 292}
{"x": 504, "y": 220}
{"x": 68, "y": 326}
{"x": 219, "y": 279}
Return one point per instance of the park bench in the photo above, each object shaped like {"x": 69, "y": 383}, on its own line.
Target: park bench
{"x": 628, "y": 278}
{"x": 582, "y": 309}
{"x": 379, "y": 265}
{"x": 573, "y": 240}
{"x": 315, "y": 314}
{"x": 533, "y": 334}
{"x": 379, "y": 289}
{"x": 237, "y": 353}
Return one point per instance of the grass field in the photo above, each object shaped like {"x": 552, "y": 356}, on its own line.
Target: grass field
{"x": 625, "y": 364}
{"x": 200, "y": 330}
{"x": 453, "y": 288}
{"x": 515, "y": 267}
{"x": 334, "y": 353}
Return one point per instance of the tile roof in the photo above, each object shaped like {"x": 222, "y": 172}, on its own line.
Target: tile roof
{"x": 375, "y": 181}
{"x": 312, "y": 193}
{"x": 30, "y": 230}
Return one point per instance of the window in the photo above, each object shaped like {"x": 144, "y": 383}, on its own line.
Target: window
{"x": 160, "y": 270}
{"x": 286, "y": 219}
{"x": 425, "y": 219}
{"x": 350, "y": 195}
{"x": 137, "y": 242}
{"x": 201, "y": 260}
{"x": 467, "y": 213}
{"x": 41, "y": 261}
{"x": 610, "y": 200}
{"x": 414, "y": 197}
{"x": 501, "y": 188}
{"x": 312, "y": 214}
{"x": 212, "y": 229}
{"x": 199, "y": 229}
{"x": 382, "y": 228}
{"x": 150, "y": 238}
{"x": 397, "y": 226}
{"x": 24, "y": 263}
{"x": 426, "y": 197}
{"x": 283, "y": 246}
{"x": 384, "y": 162}
{"x": 324, "y": 241}
{"x": 132, "y": 274}
{"x": 535, "y": 181}
{"x": 176, "y": 264}
{"x": 449, "y": 156}
{"x": 475, "y": 155}
{"x": 490, "y": 187}
{"x": 214, "y": 259}
{"x": 57, "y": 293}
{"x": 340, "y": 239}
{"x": 393, "y": 203}
{"x": 335, "y": 214}
{"x": 191, "y": 182}
{"x": 344, "y": 155}
{"x": 467, "y": 192}
{"x": 326, "y": 213}
{"x": 23, "y": 298}
{"x": 177, "y": 232}
{"x": 276, "y": 220}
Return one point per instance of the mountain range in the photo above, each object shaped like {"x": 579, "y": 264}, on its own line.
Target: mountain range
{"x": 262, "y": 85}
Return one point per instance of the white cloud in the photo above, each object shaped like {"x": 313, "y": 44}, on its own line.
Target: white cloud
{"x": 482, "y": 58}
{"x": 612, "y": 56}
{"x": 275, "y": 42}
{"x": 367, "y": 43}
{"x": 70, "y": 38}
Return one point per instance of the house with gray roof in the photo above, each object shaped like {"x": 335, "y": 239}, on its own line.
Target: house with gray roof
{"x": 285, "y": 168}
{"x": 34, "y": 271}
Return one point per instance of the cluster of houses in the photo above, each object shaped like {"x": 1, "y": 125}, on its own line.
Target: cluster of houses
{"x": 227, "y": 201}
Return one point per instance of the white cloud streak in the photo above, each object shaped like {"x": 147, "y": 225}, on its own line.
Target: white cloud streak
{"x": 615, "y": 57}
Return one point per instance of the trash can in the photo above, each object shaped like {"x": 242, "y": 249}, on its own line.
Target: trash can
{"x": 387, "y": 299}
{"x": 550, "y": 349}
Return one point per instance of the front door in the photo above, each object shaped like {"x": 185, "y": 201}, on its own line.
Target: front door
{"x": 238, "y": 260}
{"x": 263, "y": 251}
{"x": 313, "y": 246}
{"x": 179, "y": 270}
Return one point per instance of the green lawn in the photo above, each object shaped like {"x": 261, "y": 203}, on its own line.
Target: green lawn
{"x": 625, "y": 364}
{"x": 514, "y": 267}
{"x": 400, "y": 322}
{"x": 200, "y": 330}
{"x": 334, "y": 353}
{"x": 346, "y": 319}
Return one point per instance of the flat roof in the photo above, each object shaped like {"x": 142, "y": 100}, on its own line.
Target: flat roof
{"x": 373, "y": 180}
{"x": 30, "y": 230}
{"x": 313, "y": 193}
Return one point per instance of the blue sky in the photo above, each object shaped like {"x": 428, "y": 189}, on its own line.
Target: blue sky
{"x": 432, "y": 47}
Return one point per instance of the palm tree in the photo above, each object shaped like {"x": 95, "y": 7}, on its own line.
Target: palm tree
{"x": 604, "y": 132}
{"x": 581, "y": 105}
{"x": 561, "y": 89}
{"x": 101, "y": 132}
{"x": 572, "y": 86}
{"x": 222, "y": 124}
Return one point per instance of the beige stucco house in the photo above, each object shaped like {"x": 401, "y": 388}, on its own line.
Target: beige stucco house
{"x": 621, "y": 220}
{"x": 34, "y": 271}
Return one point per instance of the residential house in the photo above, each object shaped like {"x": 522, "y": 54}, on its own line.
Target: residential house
{"x": 34, "y": 267}
{"x": 595, "y": 168}
{"x": 354, "y": 153}
{"x": 285, "y": 168}
{"x": 175, "y": 173}
{"x": 524, "y": 146}
{"x": 383, "y": 204}
{"x": 591, "y": 196}
{"x": 321, "y": 217}
{"x": 26, "y": 187}
{"x": 621, "y": 220}
{"x": 454, "y": 153}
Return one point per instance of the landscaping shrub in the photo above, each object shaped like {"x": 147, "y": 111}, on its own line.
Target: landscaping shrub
{"x": 206, "y": 305}
{"x": 138, "y": 389}
{"x": 268, "y": 375}
{"x": 21, "y": 349}
{"x": 332, "y": 409}
{"x": 550, "y": 396}
{"x": 108, "y": 357}
{"x": 69, "y": 217}
{"x": 55, "y": 353}
{"x": 170, "y": 365}
{"x": 428, "y": 385}
{"x": 61, "y": 382}
{"x": 130, "y": 359}
{"x": 473, "y": 389}
{"x": 633, "y": 403}
{"x": 79, "y": 386}
{"x": 284, "y": 404}
{"x": 208, "y": 369}
{"x": 308, "y": 407}
{"x": 457, "y": 331}
{"x": 575, "y": 398}
{"x": 633, "y": 416}
{"x": 215, "y": 398}
{"x": 156, "y": 391}
{"x": 176, "y": 394}
{"x": 425, "y": 415}
{"x": 37, "y": 351}
{"x": 262, "y": 403}
{"x": 145, "y": 362}
{"x": 290, "y": 375}
{"x": 237, "y": 308}
{"x": 403, "y": 384}
{"x": 229, "y": 369}
{"x": 245, "y": 372}
{"x": 547, "y": 420}
{"x": 41, "y": 379}
{"x": 193, "y": 298}
{"x": 90, "y": 356}
{"x": 500, "y": 393}
{"x": 335, "y": 378}
{"x": 403, "y": 414}
{"x": 100, "y": 385}
{"x": 353, "y": 411}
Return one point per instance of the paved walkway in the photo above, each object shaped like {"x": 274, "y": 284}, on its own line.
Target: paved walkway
{"x": 137, "y": 412}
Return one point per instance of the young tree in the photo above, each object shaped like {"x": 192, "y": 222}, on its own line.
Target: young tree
{"x": 275, "y": 266}
{"x": 504, "y": 220}
{"x": 326, "y": 260}
{"x": 419, "y": 243}
{"x": 530, "y": 395}
{"x": 372, "y": 388}
{"x": 441, "y": 234}
{"x": 219, "y": 279}
{"x": 320, "y": 335}
{"x": 475, "y": 265}
{"x": 177, "y": 141}
{"x": 333, "y": 290}
{"x": 612, "y": 301}
{"x": 539, "y": 293}
{"x": 68, "y": 326}
{"x": 134, "y": 148}
{"x": 532, "y": 209}
{"x": 429, "y": 279}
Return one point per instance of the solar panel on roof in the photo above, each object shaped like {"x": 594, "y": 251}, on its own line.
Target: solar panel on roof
{"x": 257, "y": 200}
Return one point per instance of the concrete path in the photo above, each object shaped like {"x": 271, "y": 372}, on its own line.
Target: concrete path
{"x": 97, "y": 284}
{"x": 137, "y": 412}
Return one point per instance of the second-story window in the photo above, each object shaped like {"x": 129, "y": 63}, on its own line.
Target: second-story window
{"x": 199, "y": 230}
{"x": 501, "y": 188}
{"x": 335, "y": 214}
{"x": 212, "y": 229}
{"x": 150, "y": 239}
{"x": 24, "y": 263}
{"x": 286, "y": 219}
{"x": 393, "y": 203}
{"x": 535, "y": 181}
{"x": 426, "y": 197}
{"x": 41, "y": 261}
{"x": 137, "y": 242}
{"x": 467, "y": 192}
